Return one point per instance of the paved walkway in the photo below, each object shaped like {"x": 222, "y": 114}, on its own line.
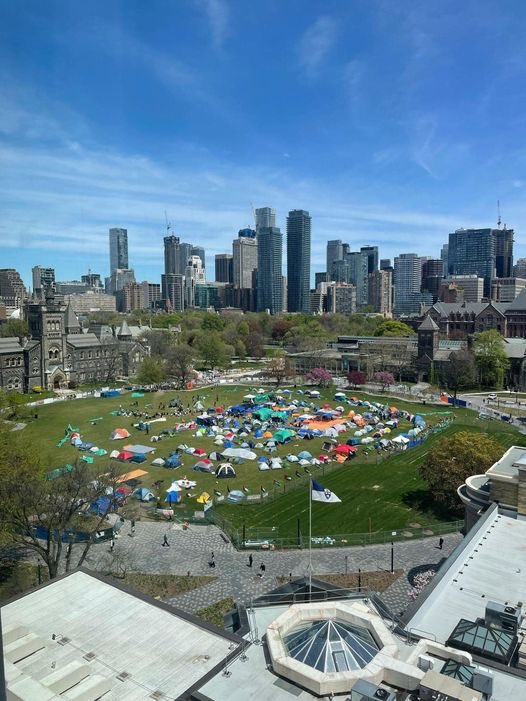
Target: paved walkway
{"x": 190, "y": 552}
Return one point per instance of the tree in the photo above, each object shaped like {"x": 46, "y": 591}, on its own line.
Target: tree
{"x": 254, "y": 345}
{"x": 159, "y": 341}
{"x": 280, "y": 369}
{"x": 14, "y": 328}
{"x": 319, "y": 376}
{"x": 212, "y": 350}
{"x": 151, "y": 371}
{"x": 31, "y": 501}
{"x": 460, "y": 371}
{"x": 392, "y": 327}
{"x": 491, "y": 359}
{"x": 451, "y": 461}
{"x": 384, "y": 378}
{"x": 180, "y": 364}
{"x": 112, "y": 358}
{"x": 357, "y": 377}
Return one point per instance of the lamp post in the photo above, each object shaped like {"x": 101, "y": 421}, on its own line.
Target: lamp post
{"x": 392, "y": 558}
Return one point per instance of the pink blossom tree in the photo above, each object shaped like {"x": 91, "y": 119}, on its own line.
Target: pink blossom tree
{"x": 319, "y": 376}
{"x": 386, "y": 379}
{"x": 357, "y": 377}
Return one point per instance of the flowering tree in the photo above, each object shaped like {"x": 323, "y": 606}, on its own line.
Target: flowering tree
{"x": 357, "y": 377}
{"x": 384, "y": 378}
{"x": 319, "y": 376}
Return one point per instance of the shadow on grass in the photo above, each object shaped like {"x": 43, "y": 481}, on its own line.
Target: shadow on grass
{"x": 422, "y": 500}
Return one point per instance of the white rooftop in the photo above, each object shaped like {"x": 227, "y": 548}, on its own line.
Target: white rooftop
{"x": 159, "y": 650}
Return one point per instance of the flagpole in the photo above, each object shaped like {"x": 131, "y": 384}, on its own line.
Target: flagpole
{"x": 310, "y": 538}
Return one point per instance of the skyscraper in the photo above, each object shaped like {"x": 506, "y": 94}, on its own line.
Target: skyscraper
{"x": 199, "y": 251}
{"x": 408, "y": 274}
{"x": 176, "y": 255}
{"x": 194, "y": 275}
{"x": 472, "y": 252}
{"x": 245, "y": 260}
{"x": 358, "y": 275}
{"x": 265, "y": 218}
{"x": 224, "y": 267}
{"x": 172, "y": 291}
{"x": 432, "y": 276}
{"x": 372, "y": 257}
{"x": 298, "y": 261}
{"x": 381, "y": 291}
{"x": 270, "y": 277}
{"x": 334, "y": 253}
{"x": 118, "y": 249}
{"x": 503, "y": 239}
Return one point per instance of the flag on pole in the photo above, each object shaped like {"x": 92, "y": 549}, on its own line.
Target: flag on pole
{"x": 319, "y": 493}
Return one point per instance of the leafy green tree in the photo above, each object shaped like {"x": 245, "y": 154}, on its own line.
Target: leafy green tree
{"x": 491, "y": 359}
{"x": 212, "y": 350}
{"x": 450, "y": 461}
{"x": 31, "y": 500}
{"x": 392, "y": 327}
{"x": 14, "y": 328}
{"x": 460, "y": 371}
{"x": 151, "y": 371}
{"x": 212, "y": 322}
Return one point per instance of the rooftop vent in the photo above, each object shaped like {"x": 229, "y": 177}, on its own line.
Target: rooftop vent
{"x": 64, "y": 640}
{"x": 89, "y": 656}
{"x": 157, "y": 695}
{"x": 123, "y": 676}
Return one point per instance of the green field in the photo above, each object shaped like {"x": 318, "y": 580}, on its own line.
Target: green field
{"x": 377, "y": 494}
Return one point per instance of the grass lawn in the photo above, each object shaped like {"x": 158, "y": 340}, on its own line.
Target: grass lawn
{"x": 376, "y": 495}
{"x": 215, "y": 613}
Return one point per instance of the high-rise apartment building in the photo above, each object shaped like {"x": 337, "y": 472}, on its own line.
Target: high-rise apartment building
{"x": 270, "y": 277}
{"x": 385, "y": 264}
{"x": 194, "y": 275}
{"x": 130, "y": 298}
{"x": 151, "y": 293}
{"x": 244, "y": 260}
{"x": 358, "y": 275}
{"x": 298, "y": 261}
{"x": 471, "y": 285}
{"x": 472, "y": 252}
{"x": 503, "y": 239}
{"x": 519, "y": 269}
{"x": 42, "y": 278}
{"x": 444, "y": 255}
{"x": 334, "y": 253}
{"x": 172, "y": 290}
{"x": 224, "y": 264}
{"x": 408, "y": 274}
{"x": 341, "y": 298}
{"x": 380, "y": 284}
{"x": 118, "y": 249}
{"x": 119, "y": 278}
{"x": 265, "y": 218}
{"x": 92, "y": 280}
{"x": 12, "y": 290}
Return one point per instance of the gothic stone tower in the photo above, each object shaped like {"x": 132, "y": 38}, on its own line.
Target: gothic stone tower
{"x": 46, "y": 322}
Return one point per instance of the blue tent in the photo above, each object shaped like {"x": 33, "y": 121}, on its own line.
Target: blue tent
{"x": 138, "y": 458}
{"x": 173, "y": 461}
{"x": 101, "y": 506}
{"x": 304, "y": 455}
{"x": 258, "y": 433}
{"x": 110, "y": 393}
{"x": 236, "y": 496}
{"x": 174, "y": 496}
{"x": 144, "y": 494}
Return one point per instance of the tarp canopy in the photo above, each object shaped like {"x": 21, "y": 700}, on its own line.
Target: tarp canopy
{"x": 138, "y": 448}
{"x": 130, "y": 475}
{"x": 243, "y": 453}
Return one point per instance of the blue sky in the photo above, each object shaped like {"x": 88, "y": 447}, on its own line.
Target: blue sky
{"x": 392, "y": 122}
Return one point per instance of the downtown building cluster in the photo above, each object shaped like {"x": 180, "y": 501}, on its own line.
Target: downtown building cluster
{"x": 475, "y": 265}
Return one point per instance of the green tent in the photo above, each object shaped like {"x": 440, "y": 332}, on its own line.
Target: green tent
{"x": 263, "y": 414}
{"x": 261, "y": 398}
{"x": 59, "y": 471}
{"x": 284, "y": 435}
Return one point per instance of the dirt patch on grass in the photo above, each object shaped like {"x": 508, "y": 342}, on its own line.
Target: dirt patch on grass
{"x": 372, "y": 581}
{"x": 165, "y": 586}
{"x": 215, "y": 612}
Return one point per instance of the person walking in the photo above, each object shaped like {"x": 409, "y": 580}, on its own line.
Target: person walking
{"x": 165, "y": 541}
{"x": 262, "y": 569}
{"x": 440, "y": 543}
{"x": 112, "y": 545}
{"x": 212, "y": 562}
{"x": 132, "y": 527}
{"x": 250, "y": 560}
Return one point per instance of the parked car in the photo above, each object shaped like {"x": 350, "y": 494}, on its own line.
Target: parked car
{"x": 492, "y": 397}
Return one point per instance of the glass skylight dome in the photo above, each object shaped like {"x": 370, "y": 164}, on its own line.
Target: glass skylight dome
{"x": 332, "y": 646}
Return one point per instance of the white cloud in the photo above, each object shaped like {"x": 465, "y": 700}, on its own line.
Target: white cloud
{"x": 218, "y": 15}
{"x": 315, "y": 44}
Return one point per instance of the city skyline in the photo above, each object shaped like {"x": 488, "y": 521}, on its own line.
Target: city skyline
{"x": 110, "y": 118}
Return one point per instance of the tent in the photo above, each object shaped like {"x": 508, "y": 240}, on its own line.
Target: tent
{"x": 173, "y": 460}
{"x": 119, "y": 433}
{"x": 203, "y": 498}
{"x": 159, "y": 462}
{"x": 263, "y": 466}
{"x": 199, "y": 451}
{"x": 344, "y": 449}
{"x": 139, "y": 448}
{"x": 225, "y": 470}
{"x": 101, "y": 506}
{"x": 143, "y": 494}
{"x": 239, "y": 453}
{"x": 138, "y": 458}
{"x": 284, "y": 435}
{"x": 304, "y": 455}
{"x": 110, "y": 393}
{"x": 216, "y": 456}
{"x": 313, "y": 393}
{"x": 125, "y": 455}
{"x": 174, "y": 494}
{"x": 339, "y": 395}
{"x": 204, "y": 466}
{"x": 402, "y": 440}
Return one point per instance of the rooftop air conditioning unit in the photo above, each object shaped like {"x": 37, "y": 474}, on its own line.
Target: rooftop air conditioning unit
{"x": 425, "y": 663}
{"x": 502, "y": 616}
{"x": 365, "y": 691}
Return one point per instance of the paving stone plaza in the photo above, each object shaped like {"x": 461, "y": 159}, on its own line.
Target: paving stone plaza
{"x": 190, "y": 553}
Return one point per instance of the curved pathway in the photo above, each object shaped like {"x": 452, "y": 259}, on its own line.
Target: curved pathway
{"x": 190, "y": 552}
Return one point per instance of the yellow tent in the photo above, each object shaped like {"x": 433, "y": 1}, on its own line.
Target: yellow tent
{"x": 203, "y": 498}
{"x": 267, "y": 434}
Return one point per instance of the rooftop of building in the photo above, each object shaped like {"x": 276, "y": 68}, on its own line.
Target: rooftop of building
{"x": 509, "y": 463}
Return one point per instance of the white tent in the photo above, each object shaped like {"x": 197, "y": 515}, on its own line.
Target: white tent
{"x": 239, "y": 453}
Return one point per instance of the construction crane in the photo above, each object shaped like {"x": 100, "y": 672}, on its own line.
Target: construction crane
{"x": 498, "y": 213}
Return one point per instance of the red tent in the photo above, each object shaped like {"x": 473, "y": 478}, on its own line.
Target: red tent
{"x": 344, "y": 449}
{"x": 199, "y": 451}
{"x": 125, "y": 455}
{"x": 219, "y": 409}
{"x": 323, "y": 458}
